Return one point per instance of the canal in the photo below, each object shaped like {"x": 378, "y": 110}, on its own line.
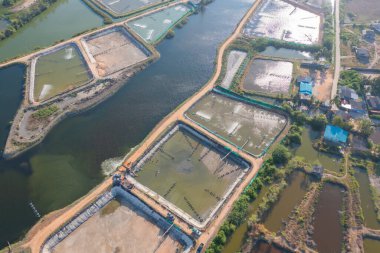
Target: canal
{"x": 62, "y": 20}
{"x": 298, "y": 183}
{"x": 68, "y": 162}
{"x": 366, "y": 201}
{"x": 328, "y": 232}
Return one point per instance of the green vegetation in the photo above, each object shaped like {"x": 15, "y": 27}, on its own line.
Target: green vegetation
{"x": 351, "y": 79}
{"x": 8, "y": 3}
{"x": 19, "y": 19}
{"x": 318, "y": 122}
{"x": 45, "y": 112}
{"x": 170, "y": 34}
{"x": 281, "y": 155}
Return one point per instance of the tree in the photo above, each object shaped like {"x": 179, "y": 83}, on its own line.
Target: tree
{"x": 365, "y": 127}
{"x": 351, "y": 79}
{"x": 318, "y": 122}
{"x": 281, "y": 155}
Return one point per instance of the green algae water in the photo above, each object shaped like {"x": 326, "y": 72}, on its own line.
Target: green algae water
{"x": 62, "y": 20}
{"x": 366, "y": 202}
{"x": 59, "y": 71}
{"x": 67, "y": 164}
{"x": 298, "y": 183}
{"x": 371, "y": 245}
{"x": 306, "y": 150}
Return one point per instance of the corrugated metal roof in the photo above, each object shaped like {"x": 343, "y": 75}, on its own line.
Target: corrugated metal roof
{"x": 335, "y": 134}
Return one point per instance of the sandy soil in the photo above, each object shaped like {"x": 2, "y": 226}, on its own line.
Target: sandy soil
{"x": 124, "y": 230}
{"x": 323, "y": 83}
{"x": 114, "y": 51}
{"x": 24, "y": 5}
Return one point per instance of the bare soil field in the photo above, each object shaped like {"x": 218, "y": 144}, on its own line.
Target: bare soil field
{"x": 123, "y": 230}
{"x": 114, "y": 51}
{"x": 364, "y": 10}
{"x": 323, "y": 81}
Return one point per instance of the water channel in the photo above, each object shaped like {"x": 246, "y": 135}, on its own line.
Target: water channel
{"x": 328, "y": 232}
{"x": 62, "y": 20}
{"x": 67, "y": 164}
{"x": 366, "y": 202}
{"x": 298, "y": 183}
{"x": 371, "y": 245}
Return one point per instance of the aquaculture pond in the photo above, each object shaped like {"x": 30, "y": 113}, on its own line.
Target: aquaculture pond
{"x": 154, "y": 26}
{"x": 328, "y": 161}
{"x": 328, "y": 232}
{"x": 62, "y": 20}
{"x": 366, "y": 201}
{"x": 298, "y": 183}
{"x": 190, "y": 171}
{"x": 58, "y": 71}
{"x": 67, "y": 164}
{"x": 245, "y": 125}
{"x": 371, "y": 245}
{"x": 264, "y": 247}
{"x": 286, "y": 53}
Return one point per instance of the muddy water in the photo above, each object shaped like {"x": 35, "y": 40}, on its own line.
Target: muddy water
{"x": 264, "y": 247}
{"x": 298, "y": 183}
{"x": 328, "y": 232}
{"x": 371, "y": 245}
{"x": 366, "y": 202}
{"x": 68, "y": 162}
{"x": 63, "y": 20}
{"x": 306, "y": 150}
{"x": 238, "y": 237}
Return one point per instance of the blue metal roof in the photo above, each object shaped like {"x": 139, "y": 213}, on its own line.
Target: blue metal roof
{"x": 335, "y": 134}
{"x": 306, "y": 88}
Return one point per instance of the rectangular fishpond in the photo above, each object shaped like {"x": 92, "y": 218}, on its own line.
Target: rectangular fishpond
{"x": 243, "y": 124}
{"x": 113, "y": 50}
{"x": 269, "y": 76}
{"x": 123, "y": 7}
{"x": 277, "y": 19}
{"x": 153, "y": 27}
{"x": 57, "y": 71}
{"x": 192, "y": 174}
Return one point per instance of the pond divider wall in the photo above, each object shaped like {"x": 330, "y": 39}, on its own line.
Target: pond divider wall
{"x": 76, "y": 221}
{"x": 245, "y": 166}
{"x": 227, "y": 93}
{"x": 155, "y": 217}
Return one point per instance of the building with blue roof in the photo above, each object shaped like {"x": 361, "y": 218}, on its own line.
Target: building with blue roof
{"x": 335, "y": 135}
{"x": 306, "y": 88}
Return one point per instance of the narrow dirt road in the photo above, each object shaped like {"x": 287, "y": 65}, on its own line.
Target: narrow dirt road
{"x": 337, "y": 50}
{"x": 39, "y": 238}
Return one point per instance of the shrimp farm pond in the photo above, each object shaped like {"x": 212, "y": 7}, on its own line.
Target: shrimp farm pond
{"x": 191, "y": 171}
{"x": 249, "y": 127}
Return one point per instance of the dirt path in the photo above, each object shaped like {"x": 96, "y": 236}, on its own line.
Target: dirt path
{"x": 39, "y": 238}
{"x": 337, "y": 50}
{"x": 376, "y": 56}
{"x": 24, "y": 5}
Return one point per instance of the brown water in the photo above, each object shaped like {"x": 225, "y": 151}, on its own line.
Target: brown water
{"x": 298, "y": 184}
{"x": 238, "y": 237}
{"x": 264, "y": 247}
{"x": 371, "y": 246}
{"x": 366, "y": 202}
{"x": 306, "y": 150}
{"x": 328, "y": 232}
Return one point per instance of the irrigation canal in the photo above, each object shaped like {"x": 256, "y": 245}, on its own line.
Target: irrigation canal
{"x": 68, "y": 162}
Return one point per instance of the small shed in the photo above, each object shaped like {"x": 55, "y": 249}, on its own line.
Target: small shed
{"x": 335, "y": 135}
{"x": 317, "y": 171}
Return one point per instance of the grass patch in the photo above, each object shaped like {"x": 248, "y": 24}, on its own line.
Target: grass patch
{"x": 45, "y": 112}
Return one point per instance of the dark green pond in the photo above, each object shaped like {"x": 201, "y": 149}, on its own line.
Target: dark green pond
{"x": 68, "y": 163}
{"x": 371, "y": 245}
